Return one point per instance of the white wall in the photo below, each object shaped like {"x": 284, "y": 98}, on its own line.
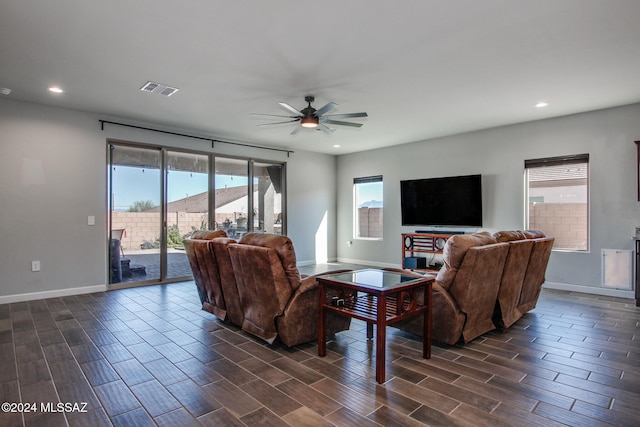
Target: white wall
{"x": 498, "y": 154}
{"x": 53, "y": 176}
{"x": 49, "y": 185}
{"x": 311, "y": 207}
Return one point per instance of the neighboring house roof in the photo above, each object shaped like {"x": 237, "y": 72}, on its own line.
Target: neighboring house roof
{"x": 198, "y": 202}
{"x": 226, "y": 195}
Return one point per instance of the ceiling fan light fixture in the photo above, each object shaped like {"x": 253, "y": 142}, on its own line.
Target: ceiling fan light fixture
{"x": 310, "y": 118}
{"x": 309, "y": 122}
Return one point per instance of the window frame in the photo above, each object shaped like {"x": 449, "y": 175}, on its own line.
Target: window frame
{"x": 356, "y": 223}
{"x": 560, "y": 161}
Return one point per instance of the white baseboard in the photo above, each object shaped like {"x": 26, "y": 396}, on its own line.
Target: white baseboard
{"x": 589, "y": 290}
{"x": 8, "y": 299}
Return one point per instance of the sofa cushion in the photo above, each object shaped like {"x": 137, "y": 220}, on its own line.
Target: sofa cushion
{"x": 534, "y": 234}
{"x": 509, "y": 236}
{"x": 535, "y": 274}
{"x": 206, "y": 275}
{"x": 283, "y": 246}
{"x": 263, "y": 288}
{"x": 454, "y": 251}
{"x": 218, "y": 247}
{"x": 515, "y": 267}
{"x": 208, "y": 234}
{"x": 475, "y": 287}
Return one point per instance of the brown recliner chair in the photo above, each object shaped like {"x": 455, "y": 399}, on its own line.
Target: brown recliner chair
{"x": 219, "y": 249}
{"x": 506, "y": 311}
{"x": 523, "y": 276}
{"x": 276, "y": 301}
{"x": 465, "y": 289}
{"x": 536, "y": 269}
{"x": 205, "y": 271}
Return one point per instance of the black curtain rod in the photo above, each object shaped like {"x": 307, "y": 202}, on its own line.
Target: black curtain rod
{"x": 213, "y": 141}
{"x": 102, "y": 122}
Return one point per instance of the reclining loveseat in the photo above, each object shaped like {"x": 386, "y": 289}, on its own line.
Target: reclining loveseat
{"x": 255, "y": 284}
{"x": 487, "y": 282}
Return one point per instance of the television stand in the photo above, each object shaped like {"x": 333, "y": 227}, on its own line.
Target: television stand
{"x": 416, "y": 244}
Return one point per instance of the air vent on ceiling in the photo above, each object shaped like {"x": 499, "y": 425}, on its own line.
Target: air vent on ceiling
{"x": 158, "y": 88}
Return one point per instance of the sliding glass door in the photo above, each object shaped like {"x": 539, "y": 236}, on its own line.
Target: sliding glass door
{"x": 187, "y": 184}
{"x": 268, "y": 181}
{"x": 232, "y": 196}
{"x": 135, "y": 213}
{"x": 160, "y": 196}
{"x": 239, "y": 207}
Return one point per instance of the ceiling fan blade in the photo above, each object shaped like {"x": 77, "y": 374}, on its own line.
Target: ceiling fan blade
{"x": 330, "y": 106}
{"x": 346, "y": 116}
{"x": 295, "y": 130}
{"x": 272, "y": 115}
{"x": 289, "y": 108}
{"x": 326, "y": 129}
{"x": 337, "y": 122}
{"x": 279, "y": 123}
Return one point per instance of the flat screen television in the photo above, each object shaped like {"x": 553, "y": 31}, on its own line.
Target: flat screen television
{"x": 451, "y": 201}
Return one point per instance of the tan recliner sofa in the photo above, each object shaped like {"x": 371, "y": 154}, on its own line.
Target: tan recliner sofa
{"x": 482, "y": 281}
{"x": 526, "y": 264}
{"x": 205, "y": 272}
{"x": 276, "y": 300}
{"x": 220, "y": 250}
{"x": 255, "y": 284}
{"x": 213, "y": 273}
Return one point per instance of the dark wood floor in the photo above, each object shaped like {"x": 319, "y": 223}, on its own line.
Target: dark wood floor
{"x": 149, "y": 356}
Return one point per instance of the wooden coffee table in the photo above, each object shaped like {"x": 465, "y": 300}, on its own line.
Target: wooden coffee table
{"x": 380, "y": 298}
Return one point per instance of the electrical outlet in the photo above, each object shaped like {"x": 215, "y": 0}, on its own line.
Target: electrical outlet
{"x": 35, "y": 265}
{"x": 91, "y": 220}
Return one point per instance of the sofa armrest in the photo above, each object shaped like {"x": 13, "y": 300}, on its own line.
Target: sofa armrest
{"x": 310, "y": 282}
{"x": 299, "y": 322}
{"x": 307, "y": 284}
{"x": 448, "y": 320}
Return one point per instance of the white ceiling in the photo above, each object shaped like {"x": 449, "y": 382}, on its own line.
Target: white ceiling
{"x": 420, "y": 68}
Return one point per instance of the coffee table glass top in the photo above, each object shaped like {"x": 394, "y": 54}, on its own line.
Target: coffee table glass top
{"x": 373, "y": 278}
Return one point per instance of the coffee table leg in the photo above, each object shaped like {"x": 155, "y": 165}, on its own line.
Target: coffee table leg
{"x": 369, "y": 330}
{"x": 322, "y": 338}
{"x": 381, "y": 338}
{"x": 426, "y": 333}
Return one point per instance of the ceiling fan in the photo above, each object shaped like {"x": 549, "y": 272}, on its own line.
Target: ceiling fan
{"x": 311, "y": 118}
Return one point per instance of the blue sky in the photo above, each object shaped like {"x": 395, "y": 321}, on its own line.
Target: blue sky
{"x": 131, "y": 184}
{"x": 368, "y": 192}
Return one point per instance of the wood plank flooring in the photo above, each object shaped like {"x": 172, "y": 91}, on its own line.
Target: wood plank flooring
{"x": 150, "y": 356}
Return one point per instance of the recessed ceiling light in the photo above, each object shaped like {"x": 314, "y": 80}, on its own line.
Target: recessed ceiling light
{"x": 542, "y": 104}
{"x": 336, "y": 146}
{"x": 55, "y": 89}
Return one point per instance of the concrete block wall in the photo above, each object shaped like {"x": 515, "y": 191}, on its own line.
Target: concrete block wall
{"x": 567, "y": 222}
{"x": 145, "y": 226}
{"x": 370, "y": 222}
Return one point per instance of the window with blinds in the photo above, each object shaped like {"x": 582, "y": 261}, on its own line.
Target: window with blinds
{"x": 557, "y": 199}
{"x": 368, "y": 207}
